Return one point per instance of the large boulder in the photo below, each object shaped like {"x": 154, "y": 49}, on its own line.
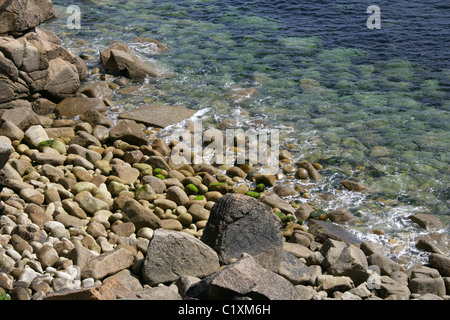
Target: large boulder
{"x": 238, "y": 224}
{"x": 342, "y": 259}
{"x": 244, "y": 278}
{"x": 172, "y": 254}
{"x": 21, "y": 15}
{"x": 37, "y": 63}
{"x": 119, "y": 60}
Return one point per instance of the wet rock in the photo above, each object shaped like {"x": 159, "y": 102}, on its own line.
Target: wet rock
{"x": 10, "y": 130}
{"x": 340, "y": 215}
{"x": 171, "y": 254}
{"x": 239, "y": 95}
{"x": 35, "y": 135}
{"x": 427, "y": 221}
{"x": 323, "y": 230}
{"x": 303, "y": 211}
{"x": 238, "y": 224}
{"x": 119, "y": 60}
{"x": 156, "y": 45}
{"x": 284, "y": 191}
{"x": 95, "y": 117}
{"x": 433, "y": 242}
{"x": 313, "y": 174}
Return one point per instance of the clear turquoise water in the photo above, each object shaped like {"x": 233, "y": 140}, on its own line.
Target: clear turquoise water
{"x": 360, "y": 88}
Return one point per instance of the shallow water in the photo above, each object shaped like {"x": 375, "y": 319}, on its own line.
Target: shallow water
{"x": 369, "y": 104}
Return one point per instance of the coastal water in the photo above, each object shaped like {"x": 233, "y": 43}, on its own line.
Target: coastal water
{"x": 368, "y": 104}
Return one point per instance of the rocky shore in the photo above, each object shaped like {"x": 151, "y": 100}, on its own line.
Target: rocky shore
{"x": 95, "y": 208}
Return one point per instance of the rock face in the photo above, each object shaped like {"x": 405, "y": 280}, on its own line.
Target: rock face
{"x": 323, "y": 230}
{"x": 21, "y": 15}
{"x": 345, "y": 260}
{"x": 37, "y": 63}
{"x": 33, "y": 64}
{"x": 238, "y": 224}
{"x": 172, "y": 254}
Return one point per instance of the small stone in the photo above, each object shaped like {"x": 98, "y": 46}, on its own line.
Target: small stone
{"x": 165, "y": 204}
{"x": 146, "y": 192}
{"x": 340, "y": 215}
{"x": 177, "y": 194}
{"x": 332, "y": 283}
{"x": 198, "y": 212}
{"x": 34, "y": 135}
{"x": 96, "y": 229}
{"x": 267, "y": 179}
{"x": 47, "y": 256}
{"x": 32, "y": 195}
{"x": 301, "y": 173}
{"x": 171, "y": 224}
{"x": 123, "y": 229}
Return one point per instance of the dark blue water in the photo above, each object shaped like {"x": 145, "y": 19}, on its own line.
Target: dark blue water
{"x": 349, "y": 91}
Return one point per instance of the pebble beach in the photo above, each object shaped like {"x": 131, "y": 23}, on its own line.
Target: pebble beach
{"x": 93, "y": 205}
